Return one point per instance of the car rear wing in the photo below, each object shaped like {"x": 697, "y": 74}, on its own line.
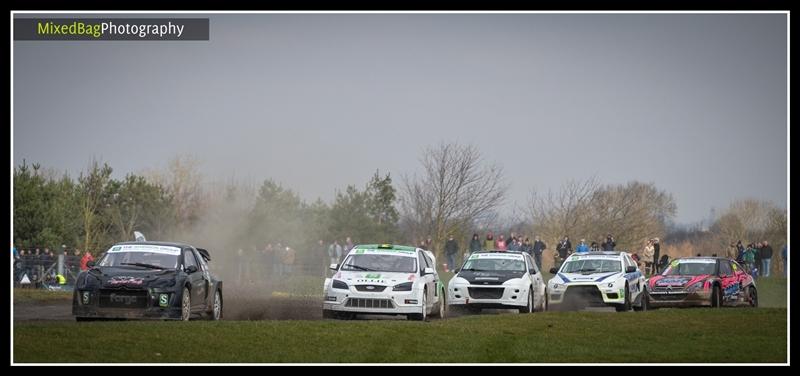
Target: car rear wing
{"x": 204, "y": 253}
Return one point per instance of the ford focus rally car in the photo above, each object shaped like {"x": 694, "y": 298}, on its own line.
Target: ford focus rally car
{"x": 497, "y": 279}
{"x": 153, "y": 280}
{"x": 598, "y": 279}
{"x": 703, "y": 281}
{"x": 385, "y": 279}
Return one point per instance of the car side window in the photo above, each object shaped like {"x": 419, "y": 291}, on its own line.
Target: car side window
{"x": 428, "y": 261}
{"x": 188, "y": 258}
{"x": 422, "y": 262}
{"x": 531, "y": 267}
{"x": 725, "y": 268}
{"x": 203, "y": 265}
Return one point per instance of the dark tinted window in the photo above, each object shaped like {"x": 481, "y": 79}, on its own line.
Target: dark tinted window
{"x": 725, "y": 268}
{"x": 188, "y": 259}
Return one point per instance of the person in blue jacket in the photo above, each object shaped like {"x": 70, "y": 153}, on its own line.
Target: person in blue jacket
{"x": 582, "y": 247}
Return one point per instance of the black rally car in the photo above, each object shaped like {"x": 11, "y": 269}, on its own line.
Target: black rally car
{"x": 155, "y": 280}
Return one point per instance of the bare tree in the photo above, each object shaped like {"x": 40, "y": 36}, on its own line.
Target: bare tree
{"x": 454, "y": 191}
{"x": 183, "y": 182}
{"x": 632, "y": 212}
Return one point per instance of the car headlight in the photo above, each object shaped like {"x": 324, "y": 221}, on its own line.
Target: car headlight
{"x": 163, "y": 282}
{"x": 695, "y": 286}
{"x": 406, "y": 286}
{"x": 555, "y": 286}
{"x": 512, "y": 281}
{"x": 337, "y": 284}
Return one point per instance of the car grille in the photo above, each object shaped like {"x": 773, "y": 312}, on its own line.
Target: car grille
{"x": 369, "y": 303}
{"x": 370, "y": 288}
{"x": 123, "y": 298}
{"x": 668, "y": 297}
{"x": 668, "y": 289}
{"x": 486, "y": 293}
{"x": 588, "y": 296}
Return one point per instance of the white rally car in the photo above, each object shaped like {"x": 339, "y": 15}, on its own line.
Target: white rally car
{"x": 598, "y": 279}
{"x": 385, "y": 279}
{"x": 500, "y": 280}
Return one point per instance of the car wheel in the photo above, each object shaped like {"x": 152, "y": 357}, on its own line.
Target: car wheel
{"x": 753, "y": 296}
{"x": 424, "y": 314}
{"x": 328, "y": 314}
{"x": 644, "y": 302}
{"x": 441, "y": 311}
{"x": 625, "y": 306}
{"x": 716, "y": 297}
{"x": 216, "y": 309}
{"x": 528, "y": 307}
{"x": 79, "y": 319}
{"x": 186, "y": 305}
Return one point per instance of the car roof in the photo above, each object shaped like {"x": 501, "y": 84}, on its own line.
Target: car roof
{"x": 601, "y": 253}
{"x": 497, "y": 251}
{"x": 171, "y": 244}
{"x": 386, "y": 247}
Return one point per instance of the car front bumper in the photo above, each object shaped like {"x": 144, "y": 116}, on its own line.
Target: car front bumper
{"x": 680, "y": 298}
{"x": 586, "y": 295}
{"x": 152, "y": 310}
{"x": 383, "y": 303}
{"x": 473, "y": 296}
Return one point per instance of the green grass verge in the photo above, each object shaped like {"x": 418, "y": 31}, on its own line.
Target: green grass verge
{"x": 40, "y": 295}
{"x": 772, "y": 292}
{"x": 667, "y": 335}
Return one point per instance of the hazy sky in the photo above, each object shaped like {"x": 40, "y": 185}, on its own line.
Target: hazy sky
{"x": 694, "y": 103}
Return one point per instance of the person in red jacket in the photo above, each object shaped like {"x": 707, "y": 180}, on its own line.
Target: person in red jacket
{"x": 85, "y": 260}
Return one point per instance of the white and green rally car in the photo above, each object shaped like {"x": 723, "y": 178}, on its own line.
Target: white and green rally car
{"x": 385, "y": 279}
{"x": 598, "y": 279}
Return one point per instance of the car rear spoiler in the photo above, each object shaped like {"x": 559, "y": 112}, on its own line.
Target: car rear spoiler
{"x": 204, "y": 253}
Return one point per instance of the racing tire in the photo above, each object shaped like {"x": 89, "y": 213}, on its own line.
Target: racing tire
{"x": 716, "y": 297}
{"x": 84, "y": 319}
{"x": 528, "y": 307}
{"x": 752, "y": 296}
{"x": 423, "y": 316}
{"x": 186, "y": 305}
{"x": 216, "y": 307}
{"x": 626, "y": 306}
{"x": 441, "y": 308}
{"x": 644, "y": 302}
{"x": 328, "y": 314}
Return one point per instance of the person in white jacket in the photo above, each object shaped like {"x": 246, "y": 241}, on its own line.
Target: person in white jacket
{"x": 647, "y": 256}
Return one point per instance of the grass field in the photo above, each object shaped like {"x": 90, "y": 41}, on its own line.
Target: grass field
{"x": 702, "y": 335}
{"x": 669, "y": 335}
{"x": 40, "y": 295}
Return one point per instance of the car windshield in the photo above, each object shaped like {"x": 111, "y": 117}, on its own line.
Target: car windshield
{"x": 380, "y": 263}
{"x": 690, "y": 268}
{"x": 592, "y": 266}
{"x": 131, "y": 259}
{"x": 495, "y": 265}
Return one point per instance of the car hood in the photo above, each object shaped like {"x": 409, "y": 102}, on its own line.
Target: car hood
{"x": 113, "y": 277}
{"x": 593, "y": 277}
{"x": 676, "y": 280}
{"x": 380, "y": 278}
{"x": 488, "y": 277}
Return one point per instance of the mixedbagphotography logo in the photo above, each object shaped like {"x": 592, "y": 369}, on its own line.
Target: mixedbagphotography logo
{"x": 172, "y": 29}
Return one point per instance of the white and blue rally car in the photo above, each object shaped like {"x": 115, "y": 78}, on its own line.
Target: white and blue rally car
{"x": 598, "y": 279}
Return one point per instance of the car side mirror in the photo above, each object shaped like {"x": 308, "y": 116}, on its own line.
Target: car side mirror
{"x": 630, "y": 269}
{"x": 533, "y": 271}
{"x": 427, "y": 271}
{"x": 553, "y": 270}
{"x": 191, "y": 269}
{"x": 456, "y": 270}
{"x": 334, "y": 266}
{"x": 91, "y": 264}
